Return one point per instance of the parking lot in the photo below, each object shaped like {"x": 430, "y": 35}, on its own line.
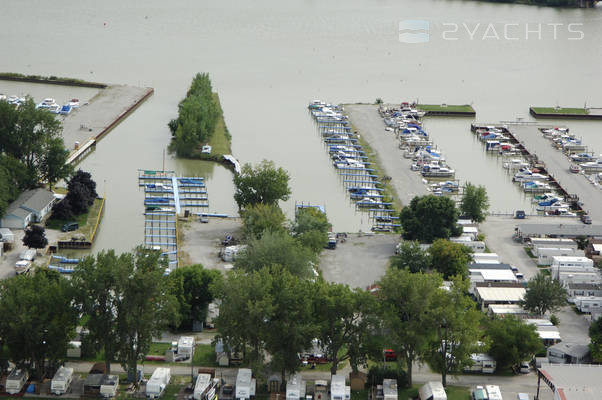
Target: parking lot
{"x": 8, "y": 260}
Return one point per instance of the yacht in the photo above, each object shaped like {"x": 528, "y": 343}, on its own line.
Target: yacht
{"x": 535, "y": 187}
{"x": 595, "y": 165}
{"x": 516, "y": 163}
{"x": 434, "y": 169}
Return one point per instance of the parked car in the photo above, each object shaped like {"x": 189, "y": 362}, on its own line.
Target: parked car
{"x": 586, "y": 219}
{"x": 520, "y": 214}
{"x": 70, "y": 226}
{"x": 524, "y": 367}
{"x": 390, "y": 355}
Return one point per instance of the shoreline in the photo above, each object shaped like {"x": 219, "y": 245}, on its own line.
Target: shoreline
{"x": 50, "y": 80}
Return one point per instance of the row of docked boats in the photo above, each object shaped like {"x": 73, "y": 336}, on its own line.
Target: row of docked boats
{"x": 48, "y": 104}
{"x": 405, "y": 122}
{"x": 532, "y": 180}
{"x": 572, "y": 146}
{"x": 349, "y": 158}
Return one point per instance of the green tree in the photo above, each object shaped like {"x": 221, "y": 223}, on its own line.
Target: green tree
{"x": 146, "y": 307}
{"x": 276, "y": 248}
{"x": 288, "y": 327}
{"x": 97, "y": 281}
{"x": 263, "y": 183}
{"x": 428, "y": 218}
{"x": 38, "y": 319}
{"x": 475, "y": 202}
{"x": 53, "y": 162}
{"x": 512, "y": 341}
{"x": 544, "y": 294}
{"x": 595, "y": 334}
{"x": 190, "y": 286}
{"x": 346, "y": 321}
{"x": 311, "y": 228}
{"x": 458, "y": 331}
{"x": 7, "y": 189}
{"x": 35, "y": 237}
{"x": 408, "y": 310}
{"x": 258, "y": 218}
{"x": 412, "y": 257}
{"x": 450, "y": 258}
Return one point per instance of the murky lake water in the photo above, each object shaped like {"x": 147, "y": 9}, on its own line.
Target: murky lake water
{"x": 269, "y": 58}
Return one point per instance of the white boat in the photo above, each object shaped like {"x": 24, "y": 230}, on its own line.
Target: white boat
{"x": 515, "y": 163}
{"x": 434, "y": 169}
{"x": 582, "y": 157}
{"x": 574, "y": 168}
{"x": 206, "y": 149}
{"x": 559, "y": 205}
{"x": 54, "y": 108}
{"x": 74, "y": 103}
{"x": 561, "y": 213}
{"x": 592, "y": 165}
{"x": 2, "y": 97}
{"x": 525, "y": 175}
{"x": 535, "y": 187}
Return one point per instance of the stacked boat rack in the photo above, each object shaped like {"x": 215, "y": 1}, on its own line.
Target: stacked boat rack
{"x": 405, "y": 122}
{"x": 582, "y": 160}
{"x": 526, "y": 170}
{"x": 165, "y": 195}
{"x": 360, "y": 178}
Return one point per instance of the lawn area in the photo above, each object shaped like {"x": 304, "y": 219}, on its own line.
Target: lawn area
{"x": 204, "y": 356}
{"x": 220, "y": 142}
{"x": 465, "y": 108}
{"x": 529, "y": 252}
{"x": 159, "y": 349}
{"x": 324, "y": 367}
{"x": 560, "y": 110}
{"x": 87, "y": 221}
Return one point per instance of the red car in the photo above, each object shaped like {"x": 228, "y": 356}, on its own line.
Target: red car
{"x": 390, "y": 355}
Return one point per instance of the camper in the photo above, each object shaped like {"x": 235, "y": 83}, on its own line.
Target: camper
{"x": 295, "y": 388}
{"x": 545, "y": 254}
{"x": 108, "y": 386}
{"x": 320, "y": 390}
{"x": 157, "y": 383}
{"x": 244, "y": 381}
{"x": 389, "y": 389}
{"x": 479, "y": 393}
{"x": 572, "y": 261}
{"x": 482, "y": 363}
{"x": 337, "y": 387}
{"x": 28, "y": 255}
{"x": 493, "y": 392}
{"x": 22, "y": 267}
{"x": 205, "y": 388}
{"x": 186, "y": 345}
{"x": 486, "y": 257}
{"x": 16, "y": 380}
{"x": 61, "y": 381}
{"x": 432, "y": 391}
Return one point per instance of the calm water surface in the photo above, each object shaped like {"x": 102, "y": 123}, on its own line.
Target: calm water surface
{"x": 268, "y": 58}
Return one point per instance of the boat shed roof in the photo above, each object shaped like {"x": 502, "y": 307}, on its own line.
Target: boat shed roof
{"x": 560, "y": 230}
{"x": 573, "y": 381}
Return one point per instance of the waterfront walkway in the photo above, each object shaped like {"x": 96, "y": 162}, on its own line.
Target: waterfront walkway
{"x": 557, "y": 165}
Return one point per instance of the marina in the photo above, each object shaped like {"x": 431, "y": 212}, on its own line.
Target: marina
{"x": 360, "y": 178}
{"x": 165, "y": 197}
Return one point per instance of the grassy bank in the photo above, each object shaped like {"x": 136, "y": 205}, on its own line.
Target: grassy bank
{"x": 221, "y": 140}
{"x": 87, "y": 222}
{"x": 560, "y": 110}
{"x": 52, "y": 80}
{"x": 447, "y": 109}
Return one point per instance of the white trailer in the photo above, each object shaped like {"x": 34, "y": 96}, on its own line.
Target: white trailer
{"x": 587, "y": 304}
{"x": 337, "y": 387}
{"x": 108, "y": 386}
{"x": 485, "y": 256}
{"x": 295, "y": 388}
{"x": 552, "y": 242}
{"x": 28, "y": 255}
{"x": 158, "y": 382}
{"x": 545, "y": 254}
{"x": 22, "y": 267}
{"x": 493, "y": 392}
{"x": 389, "y": 389}
{"x": 205, "y": 387}
{"x": 186, "y": 345}
{"x": 16, "y": 380}
{"x": 483, "y": 363}
{"x": 578, "y": 262}
{"x": 243, "y": 384}
{"x": 61, "y": 381}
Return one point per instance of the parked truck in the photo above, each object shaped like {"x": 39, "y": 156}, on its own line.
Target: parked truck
{"x": 158, "y": 382}
{"x": 61, "y": 381}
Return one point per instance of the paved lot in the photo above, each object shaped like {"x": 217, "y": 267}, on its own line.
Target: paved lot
{"x": 201, "y": 243}
{"x": 368, "y": 122}
{"x": 8, "y": 260}
{"x": 104, "y": 108}
{"x": 557, "y": 165}
{"x": 360, "y": 260}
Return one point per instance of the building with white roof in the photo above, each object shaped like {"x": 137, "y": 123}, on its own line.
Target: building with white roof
{"x": 487, "y": 295}
{"x": 571, "y": 381}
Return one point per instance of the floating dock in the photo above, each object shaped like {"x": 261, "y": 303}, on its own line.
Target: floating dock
{"x": 165, "y": 196}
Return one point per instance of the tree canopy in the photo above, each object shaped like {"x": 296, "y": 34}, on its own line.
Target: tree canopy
{"x": 263, "y": 183}
{"x": 412, "y": 257}
{"x": 428, "y": 218}
{"x": 38, "y": 319}
{"x": 311, "y": 228}
{"x": 595, "y": 334}
{"x": 450, "y": 258}
{"x": 276, "y": 248}
{"x": 475, "y": 202}
{"x": 35, "y": 237}
{"x": 544, "y": 294}
{"x": 259, "y": 218}
{"x": 512, "y": 341}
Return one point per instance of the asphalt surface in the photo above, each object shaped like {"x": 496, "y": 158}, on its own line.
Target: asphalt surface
{"x": 370, "y": 125}
{"x": 557, "y": 164}
{"x": 9, "y": 258}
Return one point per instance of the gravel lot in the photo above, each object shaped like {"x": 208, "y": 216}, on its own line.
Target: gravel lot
{"x": 8, "y": 260}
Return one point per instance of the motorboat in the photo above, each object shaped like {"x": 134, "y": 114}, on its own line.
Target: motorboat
{"x": 535, "y": 187}
{"x": 526, "y": 174}
{"x": 582, "y": 157}
{"x": 516, "y": 163}
{"x": 65, "y": 109}
{"x": 436, "y": 170}
{"x": 595, "y": 166}
{"x": 558, "y": 205}
{"x": 74, "y": 103}
{"x": 54, "y": 108}
{"x": 545, "y": 197}
{"x": 561, "y": 213}
{"x": 574, "y": 168}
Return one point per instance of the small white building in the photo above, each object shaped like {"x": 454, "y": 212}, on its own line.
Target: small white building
{"x": 501, "y": 310}
{"x": 470, "y": 231}
{"x": 186, "y": 345}
{"x": 569, "y": 276}
{"x": 432, "y": 391}
{"x": 547, "y": 332}
{"x": 485, "y": 256}
{"x": 552, "y": 242}
{"x": 492, "y": 275}
{"x": 583, "y": 289}
{"x": 487, "y": 295}
{"x": 570, "y": 261}
{"x": 588, "y": 304}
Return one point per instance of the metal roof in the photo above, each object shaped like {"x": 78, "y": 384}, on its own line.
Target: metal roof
{"x": 573, "y": 381}
{"x": 571, "y": 349}
{"x": 570, "y": 230}
{"x": 500, "y": 293}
